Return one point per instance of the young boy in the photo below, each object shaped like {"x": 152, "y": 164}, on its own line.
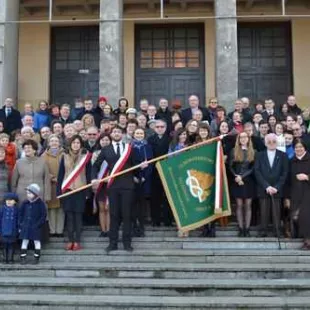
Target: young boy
{"x": 9, "y": 226}
{"x": 32, "y": 216}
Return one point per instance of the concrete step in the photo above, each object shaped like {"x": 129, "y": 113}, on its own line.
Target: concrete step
{"x": 99, "y": 256}
{"x": 156, "y": 287}
{"x": 159, "y": 271}
{"x": 79, "y": 302}
{"x": 191, "y": 243}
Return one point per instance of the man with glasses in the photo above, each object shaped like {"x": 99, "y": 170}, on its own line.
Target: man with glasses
{"x": 91, "y": 144}
{"x": 298, "y": 133}
{"x": 271, "y": 169}
{"x": 187, "y": 114}
{"x": 160, "y": 145}
{"x": 212, "y": 107}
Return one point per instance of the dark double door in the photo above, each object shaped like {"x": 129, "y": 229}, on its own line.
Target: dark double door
{"x": 169, "y": 62}
{"x": 74, "y": 63}
{"x": 265, "y": 69}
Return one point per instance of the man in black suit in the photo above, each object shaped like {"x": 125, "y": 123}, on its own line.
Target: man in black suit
{"x": 159, "y": 142}
{"x": 305, "y": 137}
{"x": 92, "y": 143}
{"x": 187, "y": 114}
{"x": 269, "y": 109}
{"x": 10, "y": 117}
{"x": 246, "y": 117}
{"x": 120, "y": 189}
{"x": 89, "y": 109}
{"x": 271, "y": 169}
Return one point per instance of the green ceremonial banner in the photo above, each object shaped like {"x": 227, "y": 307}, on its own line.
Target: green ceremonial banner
{"x": 189, "y": 179}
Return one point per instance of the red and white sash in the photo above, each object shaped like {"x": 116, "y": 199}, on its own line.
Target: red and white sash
{"x": 67, "y": 182}
{"x": 120, "y": 163}
{"x": 103, "y": 172}
{"x": 219, "y": 178}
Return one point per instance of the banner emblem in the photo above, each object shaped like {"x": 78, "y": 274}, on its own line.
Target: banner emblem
{"x": 199, "y": 184}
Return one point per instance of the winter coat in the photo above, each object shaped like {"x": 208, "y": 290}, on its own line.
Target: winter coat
{"x": 300, "y": 193}
{"x": 32, "y": 215}
{"x": 31, "y": 170}
{"x": 9, "y": 223}
{"x": 66, "y": 166}
{"x": 53, "y": 162}
{"x": 10, "y": 156}
{"x": 12, "y": 122}
{"x": 4, "y": 180}
{"x": 41, "y": 119}
{"x": 142, "y": 151}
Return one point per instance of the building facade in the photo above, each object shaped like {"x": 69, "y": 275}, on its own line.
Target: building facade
{"x": 63, "y": 49}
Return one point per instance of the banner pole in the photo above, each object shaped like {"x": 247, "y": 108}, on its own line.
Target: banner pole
{"x": 153, "y": 160}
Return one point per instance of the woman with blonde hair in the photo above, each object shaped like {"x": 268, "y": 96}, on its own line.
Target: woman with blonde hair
{"x": 88, "y": 121}
{"x": 52, "y": 157}
{"x": 241, "y": 166}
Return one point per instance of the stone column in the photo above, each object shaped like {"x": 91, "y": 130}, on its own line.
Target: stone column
{"x": 226, "y": 62}
{"x": 9, "y": 11}
{"x": 111, "y": 77}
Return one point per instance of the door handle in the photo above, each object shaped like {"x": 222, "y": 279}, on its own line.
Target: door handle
{"x": 84, "y": 71}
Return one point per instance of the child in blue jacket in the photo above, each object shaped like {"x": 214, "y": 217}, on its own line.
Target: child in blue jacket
{"x": 9, "y": 226}
{"x": 32, "y": 216}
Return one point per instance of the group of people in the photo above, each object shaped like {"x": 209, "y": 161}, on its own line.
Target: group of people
{"x": 59, "y": 149}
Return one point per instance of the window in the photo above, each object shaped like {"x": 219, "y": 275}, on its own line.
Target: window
{"x": 169, "y": 48}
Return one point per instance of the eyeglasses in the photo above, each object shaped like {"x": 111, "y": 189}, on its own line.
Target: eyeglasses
{"x": 159, "y": 126}
{"x": 213, "y": 101}
{"x": 92, "y": 134}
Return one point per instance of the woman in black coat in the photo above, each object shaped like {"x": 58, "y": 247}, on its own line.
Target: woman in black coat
{"x": 74, "y": 172}
{"x": 241, "y": 165}
{"x": 300, "y": 192}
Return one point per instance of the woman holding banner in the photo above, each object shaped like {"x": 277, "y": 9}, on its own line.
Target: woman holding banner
{"x": 74, "y": 172}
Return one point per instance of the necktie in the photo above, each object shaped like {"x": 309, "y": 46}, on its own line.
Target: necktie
{"x": 118, "y": 150}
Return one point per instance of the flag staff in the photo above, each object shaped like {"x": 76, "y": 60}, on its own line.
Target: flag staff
{"x": 151, "y": 161}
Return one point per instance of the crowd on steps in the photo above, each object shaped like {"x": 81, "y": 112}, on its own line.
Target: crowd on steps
{"x": 60, "y": 148}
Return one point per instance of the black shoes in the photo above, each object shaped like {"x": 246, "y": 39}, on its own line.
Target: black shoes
{"x": 246, "y": 233}
{"x": 128, "y": 248}
{"x": 103, "y": 234}
{"x": 111, "y": 248}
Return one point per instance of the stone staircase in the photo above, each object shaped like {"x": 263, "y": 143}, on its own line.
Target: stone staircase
{"x": 164, "y": 272}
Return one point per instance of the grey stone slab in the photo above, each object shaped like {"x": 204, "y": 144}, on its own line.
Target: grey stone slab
{"x": 77, "y": 273}
{"x": 226, "y": 60}
{"x": 111, "y": 50}
{"x": 153, "y": 301}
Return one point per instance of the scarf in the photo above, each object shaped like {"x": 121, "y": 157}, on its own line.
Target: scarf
{"x": 138, "y": 144}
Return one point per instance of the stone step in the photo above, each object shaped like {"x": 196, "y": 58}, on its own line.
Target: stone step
{"x": 156, "y": 271}
{"x": 156, "y": 287}
{"x": 79, "y": 302}
{"x": 173, "y": 233}
{"x": 231, "y": 225}
{"x": 189, "y": 243}
{"x": 99, "y": 256}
